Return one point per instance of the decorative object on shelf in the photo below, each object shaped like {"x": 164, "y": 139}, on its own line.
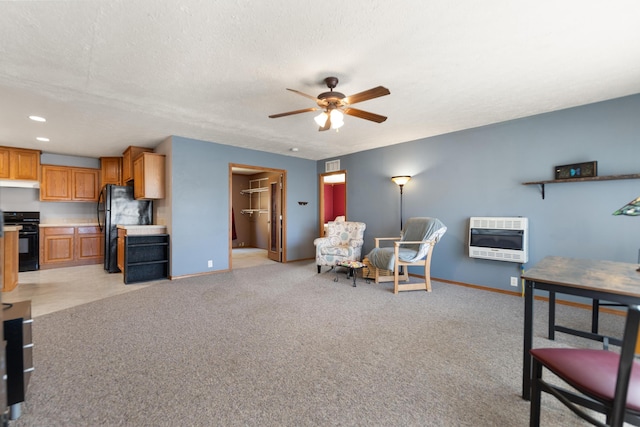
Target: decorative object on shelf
{"x": 401, "y": 180}
{"x": 577, "y": 170}
{"x": 632, "y": 208}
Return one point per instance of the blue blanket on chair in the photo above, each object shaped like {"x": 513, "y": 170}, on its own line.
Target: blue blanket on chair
{"x": 415, "y": 230}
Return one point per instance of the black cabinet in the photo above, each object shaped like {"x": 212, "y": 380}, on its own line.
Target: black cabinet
{"x": 146, "y": 257}
{"x": 19, "y": 353}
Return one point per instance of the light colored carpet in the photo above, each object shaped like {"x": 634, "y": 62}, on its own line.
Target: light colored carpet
{"x": 281, "y": 345}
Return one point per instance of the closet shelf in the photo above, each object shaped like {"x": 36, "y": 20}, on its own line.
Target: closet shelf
{"x": 255, "y": 186}
{"x": 251, "y": 211}
{"x": 254, "y": 190}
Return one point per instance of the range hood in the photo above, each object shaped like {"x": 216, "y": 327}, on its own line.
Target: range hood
{"x": 19, "y": 183}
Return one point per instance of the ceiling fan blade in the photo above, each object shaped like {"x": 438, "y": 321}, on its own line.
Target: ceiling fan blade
{"x": 305, "y": 110}
{"x": 368, "y": 94}
{"x": 303, "y": 94}
{"x": 364, "y": 115}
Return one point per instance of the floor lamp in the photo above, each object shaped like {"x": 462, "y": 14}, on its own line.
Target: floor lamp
{"x": 401, "y": 180}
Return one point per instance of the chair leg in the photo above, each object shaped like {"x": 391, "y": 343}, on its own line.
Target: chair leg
{"x": 319, "y": 268}
{"x": 534, "y": 415}
{"x": 427, "y": 278}
{"x": 396, "y": 274}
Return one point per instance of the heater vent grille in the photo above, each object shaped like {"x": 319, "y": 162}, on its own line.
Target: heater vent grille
{"x": 332, "y": 166}
{"x": 499, "y": 238}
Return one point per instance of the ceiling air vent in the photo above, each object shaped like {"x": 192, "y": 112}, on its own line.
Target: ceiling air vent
{"x": 332, "y": 166}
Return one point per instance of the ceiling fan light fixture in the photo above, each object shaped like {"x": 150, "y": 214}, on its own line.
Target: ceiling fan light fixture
{"x": 337, "y": 119}
{"x": 321, "y": 119}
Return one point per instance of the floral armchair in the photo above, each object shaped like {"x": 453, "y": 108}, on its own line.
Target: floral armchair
{"x": 342, "y": 242}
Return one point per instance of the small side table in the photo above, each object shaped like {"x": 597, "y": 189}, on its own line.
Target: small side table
{"x": 352, "y": 266}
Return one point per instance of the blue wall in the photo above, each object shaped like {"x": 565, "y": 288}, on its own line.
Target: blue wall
{"x": 479, "y": 172}
{"x": 200, "y": 203}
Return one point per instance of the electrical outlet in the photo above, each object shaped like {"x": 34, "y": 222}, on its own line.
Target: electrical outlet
{"x": 514, "y": 281}
{"x": 210, "y": 263}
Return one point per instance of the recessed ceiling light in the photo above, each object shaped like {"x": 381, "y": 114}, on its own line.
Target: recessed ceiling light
{"x": 42, "y": 139}
{"x": 37, "y": 119}
{"x": 294, "y": 149}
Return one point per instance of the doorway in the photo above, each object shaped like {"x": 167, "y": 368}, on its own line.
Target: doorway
{"x": 333, "y": 198}
{"x": 257, "y": 218}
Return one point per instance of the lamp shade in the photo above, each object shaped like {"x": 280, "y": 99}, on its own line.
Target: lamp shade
{"x": 632, "y": 208}
{"x": 401, "y": 179}
{"x": 321, "y": 119}
{"x": 337, "y": 119}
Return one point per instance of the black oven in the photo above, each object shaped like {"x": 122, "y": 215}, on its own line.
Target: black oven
{"x": 28, "y": 238}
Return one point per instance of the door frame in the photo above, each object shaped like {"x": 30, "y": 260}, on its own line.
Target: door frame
{"x": 275, "y": 220}
{"x": 283, "y": 205}
{"x": 321, "y": 178}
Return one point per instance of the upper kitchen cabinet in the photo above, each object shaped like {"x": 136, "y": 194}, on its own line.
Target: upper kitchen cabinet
{"x": 4, "y": 163}
{"x": 110, "y": 170}
{"x": 19, "y": 163}
{"x": 128, "y": 157}
{"x": 149, "y": 176}
{"x": 69, "y": 184}
{"x": 84, "y": 185}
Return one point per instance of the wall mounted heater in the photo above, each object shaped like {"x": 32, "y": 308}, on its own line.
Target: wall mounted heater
{"x": 499, "y": 238}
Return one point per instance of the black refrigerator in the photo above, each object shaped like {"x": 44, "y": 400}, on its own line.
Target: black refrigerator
{"x": 116, "y": 206}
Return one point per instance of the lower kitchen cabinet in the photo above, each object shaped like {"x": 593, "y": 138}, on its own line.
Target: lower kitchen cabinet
{"x": 89, "y": 244}
{"x": 19, "y": 353}
{"x": 70, "y": 246}
{"x": 9, "y": 258}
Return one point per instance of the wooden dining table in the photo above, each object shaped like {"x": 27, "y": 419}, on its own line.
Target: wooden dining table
{"x": 598, "y": 280}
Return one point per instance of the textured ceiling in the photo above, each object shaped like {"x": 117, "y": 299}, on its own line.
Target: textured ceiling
{"x": 108, "y": 74}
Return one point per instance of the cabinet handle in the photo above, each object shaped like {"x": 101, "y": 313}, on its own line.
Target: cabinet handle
{"x": 27, "y": 321}
{"x": 26, "y": 371}
{"x": 28, "y": 345}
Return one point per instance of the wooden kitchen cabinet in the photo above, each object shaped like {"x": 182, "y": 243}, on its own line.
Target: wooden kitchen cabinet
{"x": 69, "y": 184}
{"x": 110, "y": 171}
{"x": 56, "y": 245}
{"x": 89, "y": 244}
{"x": 56, "y": 183}
{"x": 121, "y": 235}
{"x": 19, "y": 163}
{"x": 70, "y": 246}
{"x": 84, "y": 184}
{"x": 128, "y": 157}
{"x": 149, "y": 176}
{"x": 4, "y": 163}
{"x": 9, "y": 253}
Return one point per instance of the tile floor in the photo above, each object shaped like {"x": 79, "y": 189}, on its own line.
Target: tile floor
{"x": 61, "y": 288}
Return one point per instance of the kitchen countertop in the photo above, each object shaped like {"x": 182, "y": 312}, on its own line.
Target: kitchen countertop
{"x": 143, "y": 229}
{"x": 12, "y": 228}
{"x": 69, "y": 224}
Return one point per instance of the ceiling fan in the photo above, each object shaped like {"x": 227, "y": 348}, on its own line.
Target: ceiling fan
{"x": 335, "y": 104}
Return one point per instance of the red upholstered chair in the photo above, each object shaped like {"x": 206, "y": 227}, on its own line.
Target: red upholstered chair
{"x": 606, "y": 381}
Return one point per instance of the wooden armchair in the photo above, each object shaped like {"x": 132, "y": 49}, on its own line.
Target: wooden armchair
{"x": 413, "y": 248}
